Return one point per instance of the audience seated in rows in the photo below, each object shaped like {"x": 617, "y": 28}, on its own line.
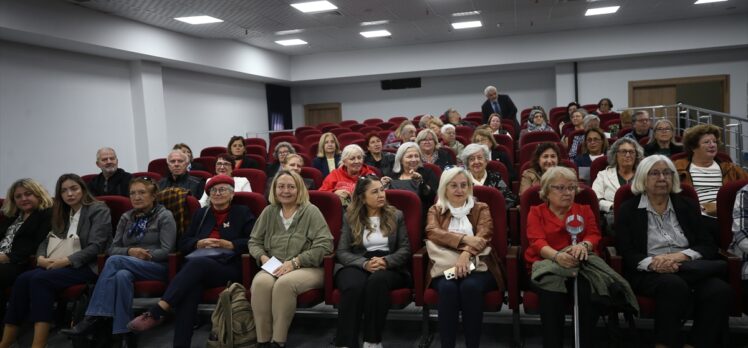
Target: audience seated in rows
{"x": 483, "y": 137}
{"x": 112, "y": 180}
{"x": 536, "y": 122}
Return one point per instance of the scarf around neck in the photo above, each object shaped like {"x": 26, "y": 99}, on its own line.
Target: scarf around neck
{"x": 460, "y": 223}
{"x": 140, "y": 223}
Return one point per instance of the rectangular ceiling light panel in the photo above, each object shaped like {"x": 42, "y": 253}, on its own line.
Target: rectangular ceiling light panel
{"x": 699, "y": 2}
{"x": 314, "y": 6}
{"x": 602, "y": 10}
{"x": 375, "y": 33}
{"x": 199, "y": 20}
{"x": 292, "y": 42}
{"x": 466, "y": 25}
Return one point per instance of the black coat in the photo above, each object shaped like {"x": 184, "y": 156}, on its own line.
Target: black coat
{"x": 654, "y": 148}
{"x": 508, "y": 109}
{"x": 321, "y": 164}
{"x": 631, "y": 233}
{"x": 238, "y": 225}
{"x": 118, "y": 184}
{"x": 29, "y": 236}
{"x": 248, "y": 162}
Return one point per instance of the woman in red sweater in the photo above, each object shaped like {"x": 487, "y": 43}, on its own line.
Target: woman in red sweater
{"x": 342, "y": 180}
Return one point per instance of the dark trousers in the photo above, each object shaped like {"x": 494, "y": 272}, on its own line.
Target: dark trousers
{"x": 35, "y": 291}
{"x": 8, "y": 274}
{"x": 185, "y": 292}
{"x": 553, "y": 309}
{"x": 367, "y": 294}
{"x": 710, "y": 299}
{"x": 466, "y": 295}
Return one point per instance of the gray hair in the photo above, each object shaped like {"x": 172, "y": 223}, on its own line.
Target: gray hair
{"x": 98, "y": 152}
{"x": 654, "y": 131}
{"x": 639, "y": 113}
{"x": 471, "y": 150}
{"x": 447, "y": 176}
{"x": 281, "y": 144}
{"x": 447, "y": 126}
{"x": 613, "y": 151}
{"x": 397, "y": 167}
{"x": 589, "y": 118}
{"x": 639, "y": 183}
{"x": 180, "y": 152}
{"x": 422, "y": 136}
{"x": 552, "y": 174}
{"x": 423, "y": 122}
{"x": 350, "y": 151}
{"x": 489, "y": 89}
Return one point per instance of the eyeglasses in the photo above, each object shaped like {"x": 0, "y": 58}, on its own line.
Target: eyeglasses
{"x": 223, "y": 164}
{"x": 219, "y": 190}
{"x": 663, "y": 130}
{"x": 642, "y": 120}
{"x": 626, "y": 152}
{"x": 656, "y": 173}
{"x": 594, "y": 140}
{"x": 562, "y": 189}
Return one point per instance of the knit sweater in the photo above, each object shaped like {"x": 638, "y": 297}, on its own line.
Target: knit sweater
{"x": 159, "y": 239}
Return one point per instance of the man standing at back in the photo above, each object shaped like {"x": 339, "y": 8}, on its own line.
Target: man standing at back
{"x": 178, "y": 175}
{"x": 112, "y": 180}
{"x": 500, "y": 104}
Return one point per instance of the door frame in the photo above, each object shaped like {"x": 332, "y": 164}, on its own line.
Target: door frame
{"x": 309, "y": 107}
{"x": 723, "y": 79}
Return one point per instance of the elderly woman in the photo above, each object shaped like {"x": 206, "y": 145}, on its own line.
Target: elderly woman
{"x": 604, "y": 106}
{"x": 410, "y": 174}
{"x": 26, "y": 220}
{"x": 546, "y": 155}
{"x": 494, "y": 122}
{"x": 225, "y": 166}
{"x": 292, "y": 232}
{"x": 377, "y": 158}
{"x": 213, "y": 243}
{"x": 591, "y": 121}
{"x": 436, "y": 125}
{"x": 623, "y": 158}
{"x": 328, "y": 154}
{"x": 483, "y": 136}
{"x": 475, "y": 157}
{"x": 342, "y": 180}
{"x": 423, "y": 123}
{"x": 593, "y": 147}
{"x": 236, "y": 148}
{"x": 372, "y": 259}
{"x": 81, "y": 229}
{"x": 663, "y": 141}
{"x": 573, "y": 106}
{"x": 449, "y": 138}
{"x": 454, "y": 118}
{"x": 405, "y": 132}
{"x": 536, "y": 122}
{"x": 463, "y": 226}
{"x": 666, "y": 251}
{"x": 431, "y": 151}
{"x": 702, "y": 169}
{"x": 145, "y": 236}
{"x": 548, "y": 239}
{"x": 282, "y": 149}
{"x": 577, "y": 119}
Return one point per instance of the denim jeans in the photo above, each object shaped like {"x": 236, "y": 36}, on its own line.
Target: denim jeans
{"x": 112, "y": 296}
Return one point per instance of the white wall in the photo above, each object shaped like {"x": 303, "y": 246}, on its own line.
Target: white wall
{"x": 609, "y": 78}
{"x": 206, "y": 110}
{"x": 464, "y": 92}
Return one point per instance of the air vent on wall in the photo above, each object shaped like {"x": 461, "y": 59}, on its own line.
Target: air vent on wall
{"x": 413, "y": 82}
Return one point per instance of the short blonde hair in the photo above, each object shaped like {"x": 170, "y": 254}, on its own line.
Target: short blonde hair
{"x": 484, "y": 132}
{"x": 552, "y": 174}
{"x": 293, "y": 155}
{"x": 10, "y": 208}
{"x": 422, "y": 136}
{"x": 302, "y": 195}
{"x": 447, "y": 176}
{"x": 639, "y": 182}
{"x": 321, "y": 144}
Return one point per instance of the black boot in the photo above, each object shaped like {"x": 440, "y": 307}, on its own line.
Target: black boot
{"x": 86, "y": 326}
{"x": 125, "y": 340}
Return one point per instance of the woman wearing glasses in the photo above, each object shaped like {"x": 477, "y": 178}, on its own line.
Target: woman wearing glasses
{"x": 663, "y": 141}
{"x": 213, "y": 243}
{"x": 548, "y": 239}
{"x": 660, "y": 236}
{"x": 225, "y": 166}
{"x": 623, "y": 158}
{"x": 431, "y": 151}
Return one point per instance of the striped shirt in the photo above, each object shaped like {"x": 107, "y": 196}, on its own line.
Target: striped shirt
{"x": 706, "y": 181}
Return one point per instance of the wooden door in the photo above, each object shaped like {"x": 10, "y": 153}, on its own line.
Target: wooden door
{"x": 654, "y": 95}
{"x": 315, "y": 114}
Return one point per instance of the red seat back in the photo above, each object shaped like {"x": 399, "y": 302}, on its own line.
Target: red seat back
{"x": 89, "y": 177}
{"x": 201, "y": 174}
{"x": 372, "y": 121}
{"x": 407, "y": 202}
{"x": 256, "y": 177}
{"x": 255, "y": 141}
{"x": 497, "y": 207}
{"x": 597, "y": 165}
{"x": 208, "y": 162}
{"x": 434, "y": 168}
{"x": 118, "y": 205}
{"x": 526, "y": 151}
{"x": 312, "y": 173}
{"x": 254, "y": 201}
{"x": 544, "y": 136}
{"x": 329, "y": 204}
{"x": 153, "y": 176}
{"x": 500, "y": 168}
{"x": 159, "y": 166}
{"x": 213, "y": 151}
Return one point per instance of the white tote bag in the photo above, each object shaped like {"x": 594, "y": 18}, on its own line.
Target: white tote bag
{"x": 62, "y": 247}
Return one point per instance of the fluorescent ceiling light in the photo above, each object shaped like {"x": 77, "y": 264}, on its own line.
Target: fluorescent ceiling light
{"x": 291, "y": 42}
{"x": 364, "y": 24}
{"x": 466, "y": 25}
{"x": 375, "y": 33}
{"x": 699, "y": 2}
{"x": 199, "y": 19}
{"x": 314, "y": 6}
{"x": 287, "y": 32}
{"x": 602, "y": 10}
{"x": 463, "y": 14}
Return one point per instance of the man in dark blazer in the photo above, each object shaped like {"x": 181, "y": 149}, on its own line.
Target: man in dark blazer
{"x": 112, "y": 180}
{"x": 500, "y": 104}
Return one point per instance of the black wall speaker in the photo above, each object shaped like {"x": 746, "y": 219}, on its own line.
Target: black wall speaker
{"x": 413, "y": 82}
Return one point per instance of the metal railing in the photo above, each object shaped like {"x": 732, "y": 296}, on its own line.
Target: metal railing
{"x": 684, "y": 116}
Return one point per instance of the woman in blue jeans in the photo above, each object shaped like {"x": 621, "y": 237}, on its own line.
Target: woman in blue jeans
{"x": 145, "y": 236}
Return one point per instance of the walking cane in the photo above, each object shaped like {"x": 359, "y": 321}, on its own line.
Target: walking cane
{"x": 575, "y": 226}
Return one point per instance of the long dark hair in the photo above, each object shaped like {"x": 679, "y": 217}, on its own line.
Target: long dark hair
{"x": 60, "y": 209}
{"x": 357, "y": 214}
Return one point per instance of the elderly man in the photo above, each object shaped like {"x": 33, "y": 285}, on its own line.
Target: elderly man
{"x": 500, "y": 104}
{"x": 178, "y": 176}
{"x": 112, "y": 180}
{"x": 642, "y": 126}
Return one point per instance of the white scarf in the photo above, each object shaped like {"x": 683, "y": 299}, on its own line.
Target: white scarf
{"x": 460, "y": 223}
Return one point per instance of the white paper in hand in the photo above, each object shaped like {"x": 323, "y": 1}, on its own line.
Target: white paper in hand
{"x": 272, "y": 265}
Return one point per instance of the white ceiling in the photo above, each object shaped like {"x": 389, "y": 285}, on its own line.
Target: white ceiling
{"x": 256, "y": 22}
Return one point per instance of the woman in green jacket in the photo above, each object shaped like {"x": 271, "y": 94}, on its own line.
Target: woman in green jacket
{"x": 293, "y": 232}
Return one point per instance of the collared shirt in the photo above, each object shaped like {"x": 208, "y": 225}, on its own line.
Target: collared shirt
{"x": 664, "y": 234}
{"x": 73, "y": 228}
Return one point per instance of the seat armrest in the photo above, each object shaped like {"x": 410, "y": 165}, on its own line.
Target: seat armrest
{"x": 615, "y": 260}
{"x": 735, "y": 279}
{"x": 420, "y": 260}
{"x": 512, "y": 269}
{"x": 328, "y": 263}
{"x": 246, "y": 276}
{"x": 101, "y": 261}
{"x": 514, "y": 226}
{"x": 174, "y": 262}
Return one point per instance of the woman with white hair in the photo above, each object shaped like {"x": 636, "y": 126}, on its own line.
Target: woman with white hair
{"x": 449, "y": 137}
{"x": 410, "y": 174}
{"x": 475, "y": 157}
{"x": 342, "y": 180}
{"x": 623, "y": 158}
{"x": 668, "y": 255}
{"x": 431, "y": 151}
{"x": 463, "y": 226}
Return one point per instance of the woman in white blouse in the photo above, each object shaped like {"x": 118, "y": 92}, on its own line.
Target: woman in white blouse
{"x": 225, "y": 166}
{"x": 623, "y": 158}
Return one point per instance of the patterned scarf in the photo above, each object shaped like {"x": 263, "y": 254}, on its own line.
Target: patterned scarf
{"x": 138, "y": 227}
